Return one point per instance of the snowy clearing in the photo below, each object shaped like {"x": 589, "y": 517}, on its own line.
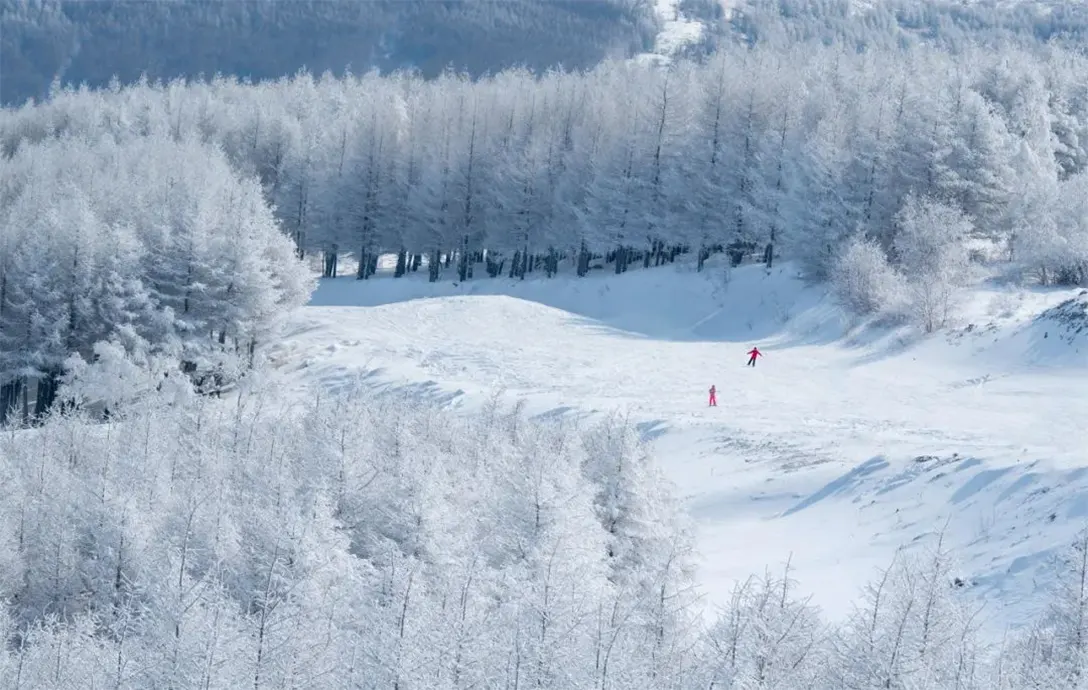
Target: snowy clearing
{"x": 844, "y": 443}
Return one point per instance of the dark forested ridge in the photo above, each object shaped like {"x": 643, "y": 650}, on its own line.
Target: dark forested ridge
{"x": 91, "y": 41}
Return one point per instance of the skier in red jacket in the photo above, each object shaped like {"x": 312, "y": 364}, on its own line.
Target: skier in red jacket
{"x": 713, "y": 396}
{"x": 752, "y": 354}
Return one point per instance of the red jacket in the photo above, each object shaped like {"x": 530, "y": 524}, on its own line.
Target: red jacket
{"x": 755, "y": 352}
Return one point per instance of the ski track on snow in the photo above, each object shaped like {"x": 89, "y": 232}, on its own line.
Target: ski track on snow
{"x": 836, "y": 449}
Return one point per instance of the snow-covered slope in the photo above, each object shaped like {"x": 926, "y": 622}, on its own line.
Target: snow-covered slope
{"x": 678, "y": 30}
{"x": 842, "y": 445}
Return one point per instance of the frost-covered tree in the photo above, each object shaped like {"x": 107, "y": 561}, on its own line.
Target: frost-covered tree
{"x": 642, "y": 633}
{"x": 627, "y": 163}
{"x": 863, "y": 280}
{"x": 930, "y": 248}
{"x": 1051, "y": 237}
{"x": 910, "y": 629}
{"x": 354, "y": 541}
{"x": 767, "y": 637}
{"x": 191, "y": 263}
{"x": 1053, "y": 652}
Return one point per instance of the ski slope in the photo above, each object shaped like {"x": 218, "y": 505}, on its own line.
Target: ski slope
{"x": 845, "y": 443}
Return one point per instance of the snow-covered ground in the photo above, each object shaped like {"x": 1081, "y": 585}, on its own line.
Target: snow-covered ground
{"x": 677, "y": 31}
{"x": 843, "y": 444}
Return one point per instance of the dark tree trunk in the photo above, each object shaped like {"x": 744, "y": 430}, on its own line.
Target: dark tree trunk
{"x": 583, "y": 259}
{"x": 463, "y": 260}
{"x": 434, "y": 266}
{"x": 623, "y": 256}
{"x": 402, "y": 263}
{"x": 551, "y": 264}
{"x": 10, "y": 393}
{"x": 47, "y": 393}
{"x": 368, "y": 264}
{"x": 494, "y": 268}
{"x": 331, "y": 261}
{"x": 364, "y": 259}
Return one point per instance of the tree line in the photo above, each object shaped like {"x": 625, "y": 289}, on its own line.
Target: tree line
{"x": 772, "y": 151}
{"x": 119, "y": 203}
{"x": 123, "y": 201}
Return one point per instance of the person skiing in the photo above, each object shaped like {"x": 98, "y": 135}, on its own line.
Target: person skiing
{"x": 752, "y": 354}
{"x": 713, "y": 396}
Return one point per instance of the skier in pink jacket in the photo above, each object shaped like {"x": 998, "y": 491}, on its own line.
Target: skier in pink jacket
{"x": 752, "y": 354}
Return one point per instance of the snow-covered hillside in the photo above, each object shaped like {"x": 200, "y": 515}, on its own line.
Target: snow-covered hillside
{"x": 845, "y": 443}
{"x": 678, "y": 31}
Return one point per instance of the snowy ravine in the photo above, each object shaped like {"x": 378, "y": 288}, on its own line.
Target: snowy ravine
{"x": 841, "y": 446}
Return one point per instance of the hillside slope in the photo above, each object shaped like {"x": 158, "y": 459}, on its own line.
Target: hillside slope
{"x": 893, "y": 24}
{"x": 841, "y": 446}
{"x": 90, "y": 41}
{"x": 93, "y": 40}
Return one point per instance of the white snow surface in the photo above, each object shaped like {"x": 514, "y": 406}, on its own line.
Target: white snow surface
{"x": 846, "y": 441}
{"x": 677, "y": 31}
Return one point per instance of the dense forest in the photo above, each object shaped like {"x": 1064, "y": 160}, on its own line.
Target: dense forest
{"x": 91, "y": 41}
{"x": 154, "y": 244}
{"x": 799, "y": 148}
{"x": 951, "y": 25}
{"x": 366, "y": 541}
{"x": 874, "y": 168}
{"x": 150, "y": 244}
{"x": 871, "y": 143}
